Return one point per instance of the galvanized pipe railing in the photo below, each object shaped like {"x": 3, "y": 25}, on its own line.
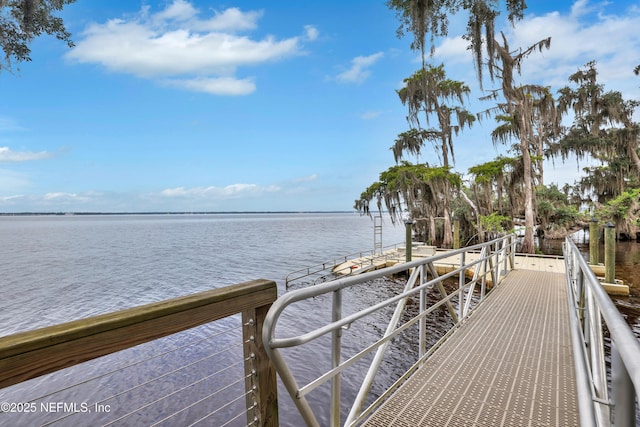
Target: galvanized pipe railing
{"x": 494, "y": 259}
{"x": 589, "y": 305}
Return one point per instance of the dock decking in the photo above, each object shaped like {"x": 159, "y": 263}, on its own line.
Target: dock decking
{"x": 509, "y": 364}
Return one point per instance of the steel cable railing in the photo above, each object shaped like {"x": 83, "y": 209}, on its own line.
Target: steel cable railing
{"x": 132, "y": 364}
{"x": 105, "y": 401}
{"x": 221, "y": 378}
{"x": 228, "y": 391}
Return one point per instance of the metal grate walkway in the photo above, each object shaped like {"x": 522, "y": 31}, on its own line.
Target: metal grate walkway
{"x": 510, "y": 364}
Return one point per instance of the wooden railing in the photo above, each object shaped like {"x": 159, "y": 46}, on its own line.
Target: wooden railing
{"x": 30, "y": 354}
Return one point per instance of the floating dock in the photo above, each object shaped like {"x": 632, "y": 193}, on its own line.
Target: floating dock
{"x": 535, "y": 262}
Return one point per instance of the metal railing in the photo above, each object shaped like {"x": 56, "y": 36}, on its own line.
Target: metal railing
{"x": 603, "y": 399}
{"x": 31, "y": 354}
{"x": 326, "y": 269}
{"x": 471, "y": 268}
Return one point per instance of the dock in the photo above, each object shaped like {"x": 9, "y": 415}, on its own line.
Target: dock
{"x": 509, "y": 364}
{"x": 535, "y": 262}
{"x": 529, "y": 350}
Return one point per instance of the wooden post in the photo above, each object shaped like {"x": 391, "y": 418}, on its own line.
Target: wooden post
{"x": 30, "y": 354}
{"x": 408, "y": 239}
{"x": 259, "y": 370}
{"x": 456, "y": 232}
{"x": 609, "y": 253}
{"x": 594, "y": 237}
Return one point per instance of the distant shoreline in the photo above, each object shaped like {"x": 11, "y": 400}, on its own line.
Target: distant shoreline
{"x": 164, "y": 213}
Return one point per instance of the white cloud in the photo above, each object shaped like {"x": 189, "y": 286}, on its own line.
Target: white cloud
{"x": 309, "y": 178}
{"x": 175, "y": 44}
{"x": 8, "y": 155}
{"x": 312, "y": 32}
{"x": 215, "y": 86}
{"x": 11, "y": 199}
{"x": 230, "y": 191}
{"x": 370, "y": 115}
{"x": 454, "y": 49}
{"x": 359, "y": 70}
{"x": 65, "y": 197}
{"x": 584, "y": 34}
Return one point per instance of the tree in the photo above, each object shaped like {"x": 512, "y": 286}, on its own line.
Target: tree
{"x": 418, "y": 189}
{"x": 604, "y": 129}
{"x": 23, "y": 20}
{"x": 430, "y": 97}
{"x": 524, "y": 106}
{"x": 420, "y": 17}
{"x": 489, "y": 181}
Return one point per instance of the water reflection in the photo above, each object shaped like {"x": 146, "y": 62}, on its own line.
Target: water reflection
{"x": 627, "y": 268}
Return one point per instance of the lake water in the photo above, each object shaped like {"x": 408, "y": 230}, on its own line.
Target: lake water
{"x": 59, "y": 268}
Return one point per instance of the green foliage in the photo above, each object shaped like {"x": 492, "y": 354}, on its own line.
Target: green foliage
{"x": 488, "y": 171}
{"x": 495, "y": 223}
{"x": 415, "y": 187}
{"x": 23, "y": 20}
{"x": 554, "y": 212}
{"x": 624, "y": 210}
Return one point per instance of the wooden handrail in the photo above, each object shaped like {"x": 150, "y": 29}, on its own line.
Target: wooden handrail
{"x": 34, "y": 353}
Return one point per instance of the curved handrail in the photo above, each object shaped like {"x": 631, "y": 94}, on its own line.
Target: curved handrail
{"x": 496, "y": 258}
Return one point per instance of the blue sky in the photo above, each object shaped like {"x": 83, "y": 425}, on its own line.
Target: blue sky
{"x": 254, "y": 106}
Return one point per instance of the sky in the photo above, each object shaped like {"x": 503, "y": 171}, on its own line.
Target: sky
{"x": 181, "y": 106}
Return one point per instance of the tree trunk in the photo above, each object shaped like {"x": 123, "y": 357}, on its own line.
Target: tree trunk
{"x": 432, "y": 229}
{"x": 634, "y": 157}
{"x": 477, "y": 213}
{"x": 528, "y": 244}
{"x": 447, "y": 239}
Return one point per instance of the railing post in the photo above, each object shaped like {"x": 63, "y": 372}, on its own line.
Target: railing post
{"x": 609, "y": 253}
{"x": 506, "y": 255}
{"x": 336, "y": 343}
{"x": 422, "y": 342}
{"x": 461, "y": 282}
{"x": 594, "y": 237}
{"x": 260, "y": 372}
{"x": 623, "y": 393}
{"x": 483, "y": 287}
{"x": 512, "y": 251}
{"x": 497, "y": 264}
{"x": 579, "y": 289}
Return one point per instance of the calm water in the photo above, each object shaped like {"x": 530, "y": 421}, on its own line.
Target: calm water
{"x": 59, "y": 268}
{"x": 627, "y": 269}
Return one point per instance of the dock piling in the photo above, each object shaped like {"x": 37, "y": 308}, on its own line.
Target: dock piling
{"x": 609, "y": 253}
{"x": 408, "y": 240}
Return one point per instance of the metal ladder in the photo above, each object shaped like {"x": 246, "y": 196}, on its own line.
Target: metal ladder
{"x": 377, "y": 235}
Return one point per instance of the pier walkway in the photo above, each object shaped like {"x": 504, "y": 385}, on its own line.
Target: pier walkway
{"x": 527, "y": 346}
{"x": 509, "y": 364}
